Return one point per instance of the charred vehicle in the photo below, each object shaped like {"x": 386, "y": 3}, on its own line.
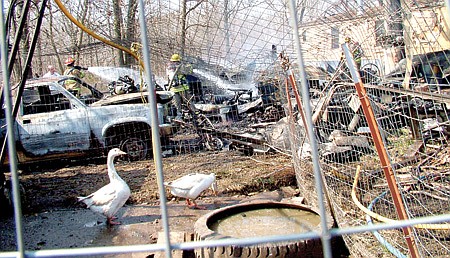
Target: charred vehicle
{"x": 54, "y": 124}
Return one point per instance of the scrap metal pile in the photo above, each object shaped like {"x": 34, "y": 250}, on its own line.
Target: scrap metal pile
{"x": 233, "y": 121}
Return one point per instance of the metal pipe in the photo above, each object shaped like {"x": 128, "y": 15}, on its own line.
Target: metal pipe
{"x": 23, "y": 19}
{"x": 25, "y": 72}
{"x": 325, "y": 234}
{"x": 10, "y": 139}
{"x": 156, "y": 141}
{"x": 12, "y": 55}
{"x": 89, "y": 251}
{"x": 381, "y": 150}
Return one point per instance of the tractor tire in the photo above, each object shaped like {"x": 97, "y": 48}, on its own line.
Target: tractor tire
{"x": 300, "y": 248}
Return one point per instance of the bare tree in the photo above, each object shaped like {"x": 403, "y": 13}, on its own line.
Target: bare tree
{"x": 130, "y": 35}
{"x": 118, "y": 28}
{"x": 183, "y": 22}
{"x": 51, "y": 36}
{"x": 73, "y": 35}
{"x": 19, "y": 32}
{"x": 124, "y": 35}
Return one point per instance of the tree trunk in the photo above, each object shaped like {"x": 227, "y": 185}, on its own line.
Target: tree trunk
{"x": 24, "y": 47}
{"x": 130, "y": 35}
{"x": 118, "y": 29}
{"x": 395, "y": 26}
{"x": 80, "y": 38}
{"x": 52, "y": 39}
{"x": 183, "y": 27}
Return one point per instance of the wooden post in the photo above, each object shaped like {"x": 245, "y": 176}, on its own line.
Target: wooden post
{"x": 286, "y": 65}
{"x": 381, "y": 150}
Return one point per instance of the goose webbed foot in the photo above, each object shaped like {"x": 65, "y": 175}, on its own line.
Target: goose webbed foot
{"x": 110, "y": 221}
{"x": 193, "y": 205}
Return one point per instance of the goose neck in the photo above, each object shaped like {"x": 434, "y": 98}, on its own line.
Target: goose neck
{"x": 112, "y": 173}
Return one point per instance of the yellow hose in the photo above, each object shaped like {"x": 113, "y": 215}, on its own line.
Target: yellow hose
{"x": 384, "y": 219}
{"x": 93, "y": 34}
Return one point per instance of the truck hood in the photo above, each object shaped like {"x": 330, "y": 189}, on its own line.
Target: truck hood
{"x": 162, "y": 97}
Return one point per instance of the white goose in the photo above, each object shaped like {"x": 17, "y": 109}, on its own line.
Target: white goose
{"x": 111, "y": 197}
{"x": 191, "y": 186}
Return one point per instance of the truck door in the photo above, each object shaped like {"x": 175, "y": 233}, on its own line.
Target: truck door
{"x": 52, "y": 121}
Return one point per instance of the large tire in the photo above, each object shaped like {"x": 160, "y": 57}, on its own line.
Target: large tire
{"x": 301, "y": 248}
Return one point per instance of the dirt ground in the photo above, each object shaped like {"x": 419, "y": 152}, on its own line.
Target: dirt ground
{"x": 236, "y": 174}
{"x": 53, "y": 218}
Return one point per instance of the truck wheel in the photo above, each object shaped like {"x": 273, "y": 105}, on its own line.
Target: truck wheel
{"x": 136, "y": 148}
{"x": 133, "y": 138}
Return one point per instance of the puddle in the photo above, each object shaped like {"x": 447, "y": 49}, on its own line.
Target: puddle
{"x": 266, "y": 222}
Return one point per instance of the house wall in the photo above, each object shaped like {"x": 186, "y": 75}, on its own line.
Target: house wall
{"x": 318, "y": 50}
{"x": 429, "y": 30}
{"x": 426, "y": 29}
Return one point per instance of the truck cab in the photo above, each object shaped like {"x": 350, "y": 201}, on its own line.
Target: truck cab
{"x": 52, "y": 123}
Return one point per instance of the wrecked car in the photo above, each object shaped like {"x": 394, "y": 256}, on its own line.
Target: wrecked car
{"x": 54, "y": 124}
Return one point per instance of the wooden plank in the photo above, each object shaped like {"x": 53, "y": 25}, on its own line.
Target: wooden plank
{"x": 402, "y": 179}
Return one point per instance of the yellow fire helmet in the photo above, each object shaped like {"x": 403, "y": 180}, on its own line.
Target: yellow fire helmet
{"x": 175, "y": 58}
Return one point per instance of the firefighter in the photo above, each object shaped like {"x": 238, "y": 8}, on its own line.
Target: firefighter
{"x": 178, "y": 83}
{"x": 356, "y": 50}
{"x": 72, "y": 85}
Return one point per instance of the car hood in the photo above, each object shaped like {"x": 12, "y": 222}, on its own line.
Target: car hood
{"x": 162, "y": 97}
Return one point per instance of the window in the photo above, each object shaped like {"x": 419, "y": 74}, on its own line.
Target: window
{"x": 380, "y": 32}
{"x": 304, "y": 36}
{"x": 42, "y": 99}
{"x": 334, "y": 38}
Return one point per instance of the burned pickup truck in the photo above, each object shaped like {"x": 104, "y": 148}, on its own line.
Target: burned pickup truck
{"x": 54, "y": 124}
